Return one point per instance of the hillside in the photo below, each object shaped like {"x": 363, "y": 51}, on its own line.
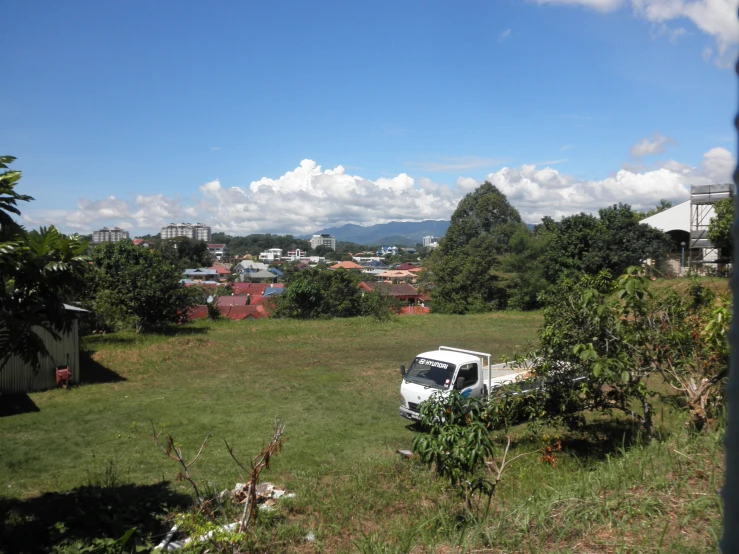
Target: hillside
{"x": 408, "y": 233}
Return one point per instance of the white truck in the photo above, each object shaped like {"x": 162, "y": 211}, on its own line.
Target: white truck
{"x": 448, "y": 369}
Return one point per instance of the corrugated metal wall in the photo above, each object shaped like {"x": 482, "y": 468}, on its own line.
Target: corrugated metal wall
{"x": 18, "y": 377}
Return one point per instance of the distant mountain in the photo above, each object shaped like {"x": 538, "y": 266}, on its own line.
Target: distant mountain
{"x": 396, "y": 232}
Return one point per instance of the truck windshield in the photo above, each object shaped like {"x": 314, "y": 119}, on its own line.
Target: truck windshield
{"x": 430, "y": 373}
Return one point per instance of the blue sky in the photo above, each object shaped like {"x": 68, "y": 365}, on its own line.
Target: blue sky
{"x": 294, "y": 116}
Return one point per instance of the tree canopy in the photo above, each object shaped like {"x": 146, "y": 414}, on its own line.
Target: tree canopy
{"x": 719, "y": 229}
{"x": 466, "y": 269}
{"x": 39, "y": 272}
{"x": 585, "y": 244}
{"x": 136, "y": 288}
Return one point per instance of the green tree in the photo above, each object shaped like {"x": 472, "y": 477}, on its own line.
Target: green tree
{"x": 464, "y": 274}
{"x": 135, "y": 288}
{"x": 185, "y": 253}
{"x": 324, "y": 293}
{"x": 9, "y": 199}
{"x": 523, "y": 264}
{"x": 39, "y": 272}
{"x": 585, "y": 244}
{"x": 321, "y": 294}
{"x": 719, "y": 228}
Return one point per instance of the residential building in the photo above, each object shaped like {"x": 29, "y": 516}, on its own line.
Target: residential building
{"x": 217, "y": 250}
{"x": 429, "y": 240}
{"x": 323, "y": 240}
{"x": 143, "y": 243}
{"x": 402, "y": 291}
{"x": 396, "y": 276}
{"x": 293, "y": 255}
{"x": 109, "y": 235}
{"x": 349, "y": 266}
{"x": 249, "y": 266}
{"x": 388, "y": 251}
{"x": 196, "y": 231}
{"x": 271, "y": 255}
{"x": 201, "y": 274}
{"x": 262, "y": 276}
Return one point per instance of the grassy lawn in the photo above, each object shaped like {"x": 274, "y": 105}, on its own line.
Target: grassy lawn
{"x": 335, "y": 383}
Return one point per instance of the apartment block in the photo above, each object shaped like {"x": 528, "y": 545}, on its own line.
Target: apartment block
{"x": 323, "y": 240}
{"x": 115, "y": 234}
{"x": 196, "y": 231}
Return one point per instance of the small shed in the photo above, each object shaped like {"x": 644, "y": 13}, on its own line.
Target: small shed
{"x": 19, "y": 377}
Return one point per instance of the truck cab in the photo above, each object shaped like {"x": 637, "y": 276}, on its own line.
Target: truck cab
{"x": 447, "y": 369}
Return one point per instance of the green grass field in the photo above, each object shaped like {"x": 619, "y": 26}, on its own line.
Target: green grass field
{"x": 335, "y": 383}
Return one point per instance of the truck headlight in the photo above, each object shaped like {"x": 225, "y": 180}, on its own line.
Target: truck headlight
{"x": 402, "y": 401}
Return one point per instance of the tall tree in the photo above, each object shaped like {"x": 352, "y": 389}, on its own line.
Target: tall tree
{"x": 39, "y": 271}
{"x": 465, "y": 271}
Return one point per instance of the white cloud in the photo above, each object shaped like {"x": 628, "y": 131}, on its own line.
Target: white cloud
{"x": 715, "y": 18}
{"x": 567, "y": 147}
{"x": 309, "y": 198}
{"x": 649, "y": 147}
{"x": 464, "y": 163}
{"x": 539, "y": 192}
{"x": 504, "y": 35}
{"x": 600, "y": 5}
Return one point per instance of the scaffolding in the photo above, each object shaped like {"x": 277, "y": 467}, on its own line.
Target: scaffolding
{"x": 702, "y": 198}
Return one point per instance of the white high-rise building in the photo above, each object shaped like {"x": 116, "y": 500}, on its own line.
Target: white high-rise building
{"x": 429, "y": 240}
{"x": 323, "y": 240}
{"x": 196, "y": 231}
{"x": 115, "y": 234}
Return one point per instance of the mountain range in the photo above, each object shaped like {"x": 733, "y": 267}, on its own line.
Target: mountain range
{"x": 407, "y": 233}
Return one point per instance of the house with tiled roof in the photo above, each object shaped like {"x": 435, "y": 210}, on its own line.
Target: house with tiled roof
{"x": 400, "y": 291}
{"x": 201, "y": 274}
{"x": 349, "y": 266}
{"x": 397, "y": 276}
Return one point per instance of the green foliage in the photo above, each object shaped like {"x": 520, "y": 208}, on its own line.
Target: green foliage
{"x": 324, "y": 294}
{"x": 457, "y": 442}
{"x": 602, "y": 341}
{"x": 719, "y": 228}
{"x": 123, "y": 545}
{"x": 523, "y": 264}
{"x": 135, "y": 288}
{"x": 466, "y": 268}
{"x": 9, "y": 198}
{"x": 39, "y": 272}
{"x": 585, "y": 244}
{"x": 185, "y": 253}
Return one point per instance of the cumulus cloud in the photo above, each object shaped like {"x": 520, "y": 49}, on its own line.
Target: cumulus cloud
{"x": 538, "y": 192}
{"x": 309, "y": 198}
{"x": 649, "y": 147}
{"x": 715, "y": 18}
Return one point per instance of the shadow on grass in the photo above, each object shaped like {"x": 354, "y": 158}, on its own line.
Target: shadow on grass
{"x": 92, "y": 371}
{"x": 130, "y": 338}
{"x": 33, "y": 525}
{"x": 596, "y": 440}
{"x": 14, "y": 404}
